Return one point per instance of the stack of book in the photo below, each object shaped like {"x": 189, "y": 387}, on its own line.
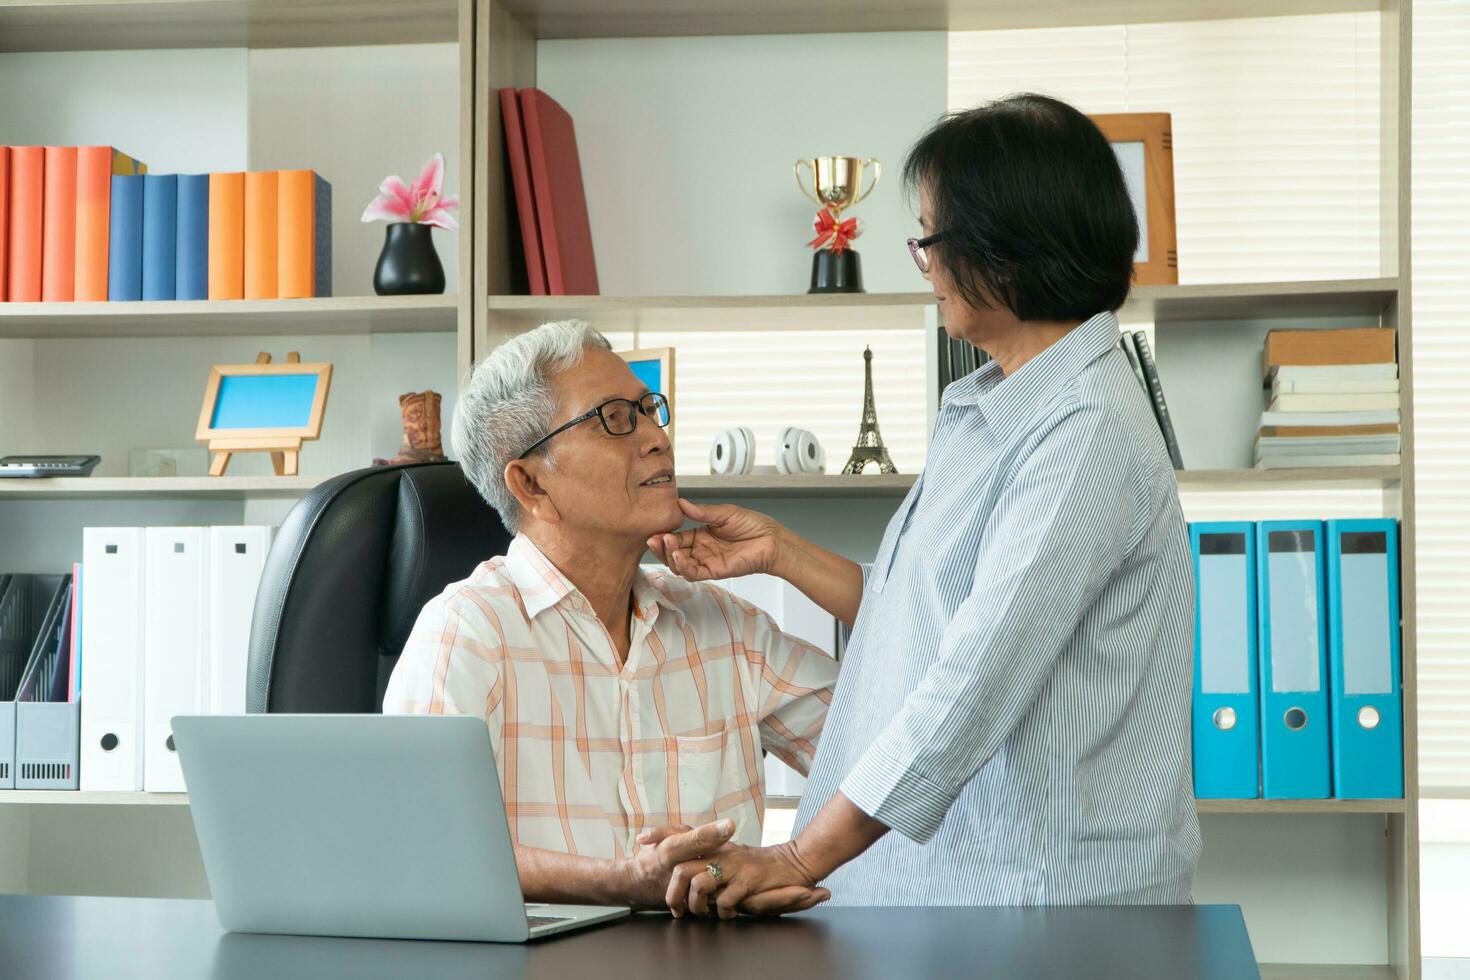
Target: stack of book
{"x": 90, "y": 223}
{"x": 1334, "y": 399}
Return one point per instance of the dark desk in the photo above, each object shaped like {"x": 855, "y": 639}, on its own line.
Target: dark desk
{"x": 58, "y": 938}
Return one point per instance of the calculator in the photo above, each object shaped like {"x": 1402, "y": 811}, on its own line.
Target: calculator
{"x": 33, "y": 466}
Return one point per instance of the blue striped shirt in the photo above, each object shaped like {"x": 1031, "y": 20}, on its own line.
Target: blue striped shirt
{"x": 1014, "y": 701}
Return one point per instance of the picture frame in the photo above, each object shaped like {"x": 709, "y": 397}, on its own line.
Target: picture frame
{"x": 654, "y": 366}
{"x": 1144, "y": 144}
{"x": 263, "y": 407}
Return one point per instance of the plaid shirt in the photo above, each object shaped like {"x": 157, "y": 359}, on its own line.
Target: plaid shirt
{"x": 590, "y": 755}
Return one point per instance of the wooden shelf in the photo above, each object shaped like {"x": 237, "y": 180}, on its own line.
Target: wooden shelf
{"x": 1160, "y": 304}
{"x": 1335, "y": 478}
{"x": 1300, "y": 806}
{"x": 694, "y": 485}
{"x": 1326, "y": 971}
{"x": 72, "y": 797}
{"x": 64, "y": 796}
{"x": 798, "y": 311}
{"x": 1260, "y": 300}
{"x": 231, "y": 318}
{"x": 78, "y": 25}
{"x": 181, "y": 487}
{"x": 802, "y": 485}
{"x": 663, "y": 18}
{"x": 1230, "y": 806}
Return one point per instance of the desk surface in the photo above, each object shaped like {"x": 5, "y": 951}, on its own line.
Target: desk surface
{"x": 63, "y": 937}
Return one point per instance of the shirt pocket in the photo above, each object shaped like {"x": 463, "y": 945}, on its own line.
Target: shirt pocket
{"x": 878, "y": 574}
{"x": 698, "y": 761}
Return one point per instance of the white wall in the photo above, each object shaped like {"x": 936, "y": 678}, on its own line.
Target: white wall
{"x": 96, "y": 407}
{"x": 357, "y": 115}
{"x": 710, "y": 206}
{"x": 179, "y": 111}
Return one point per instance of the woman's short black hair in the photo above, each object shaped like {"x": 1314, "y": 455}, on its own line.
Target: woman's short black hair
{"x": 1031, "y": 202}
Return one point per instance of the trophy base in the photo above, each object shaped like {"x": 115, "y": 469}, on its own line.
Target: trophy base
{"x": 836, "y": 273}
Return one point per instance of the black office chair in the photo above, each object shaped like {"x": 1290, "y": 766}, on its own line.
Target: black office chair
{"x": 351, "y": 566}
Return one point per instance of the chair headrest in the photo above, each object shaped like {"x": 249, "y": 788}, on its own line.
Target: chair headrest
{"x": 354, "y": 562}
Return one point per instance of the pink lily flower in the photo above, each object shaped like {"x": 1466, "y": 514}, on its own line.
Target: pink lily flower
{"x": 424, "y": 203}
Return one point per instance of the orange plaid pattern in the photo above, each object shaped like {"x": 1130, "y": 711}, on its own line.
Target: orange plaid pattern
{"x": 590, "y": 755}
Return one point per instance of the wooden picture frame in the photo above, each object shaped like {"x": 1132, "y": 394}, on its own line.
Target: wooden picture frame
{"x": 282, "y": 442}
{"x": 1144, "y": 143}
{"x": 654, "y": 366}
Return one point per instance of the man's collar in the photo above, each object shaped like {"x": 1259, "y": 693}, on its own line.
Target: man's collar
{"x": 1007, "y": 402}
{"x": 542, "y": 585}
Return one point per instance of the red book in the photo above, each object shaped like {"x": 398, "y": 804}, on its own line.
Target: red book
{"x": 59, "y": 226}
{"x": 27, "y": 185}
{"x": 561, "y": 202}
{"x": 520, "y": 178}
{"x": 96, "y": 166}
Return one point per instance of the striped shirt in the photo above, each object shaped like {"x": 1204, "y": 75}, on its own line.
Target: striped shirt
{"x": 590, "y": 754}
{"x": 1015, "y": 696}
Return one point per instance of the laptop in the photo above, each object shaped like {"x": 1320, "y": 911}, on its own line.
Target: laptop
{"x": 379, "y": 826}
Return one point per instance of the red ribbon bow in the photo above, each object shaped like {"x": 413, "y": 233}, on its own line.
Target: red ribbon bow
{"x": 840, "y": 234}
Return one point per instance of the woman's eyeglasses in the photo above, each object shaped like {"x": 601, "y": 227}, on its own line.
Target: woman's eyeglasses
{"x": 619, "y": 416}
{"x": 918, "y": 248}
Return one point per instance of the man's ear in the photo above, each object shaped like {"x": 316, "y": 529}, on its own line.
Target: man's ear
{"x": 521, "y": 480}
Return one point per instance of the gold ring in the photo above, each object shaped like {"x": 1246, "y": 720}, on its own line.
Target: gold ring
{"x": 715, "y": 871}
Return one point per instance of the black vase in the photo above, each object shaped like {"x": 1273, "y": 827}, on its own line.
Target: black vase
{"x": 408, "y": 265}
{"x": 836, "y": 273}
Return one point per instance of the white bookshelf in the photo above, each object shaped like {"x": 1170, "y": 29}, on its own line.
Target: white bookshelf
{"x": 330, "y": 315}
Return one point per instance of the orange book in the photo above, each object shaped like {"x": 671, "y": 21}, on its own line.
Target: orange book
{"x": 59, "y": 226}
{"x": 1302, "y": 431}
{"x": 226, "y": 236}
{"x": 260, "y": 235}
{"x": 304, "y": 249}
{"x": 96, "y": 166}
{"x": 27, "y": 184}
{"x": 1354, "y": 345}
{"x": 4, "y": 221}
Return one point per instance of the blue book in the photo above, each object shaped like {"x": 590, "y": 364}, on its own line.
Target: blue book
{"x": 160, "y": 228}
{"x": 1226, "y": 728}
{"x": 1292, "y": 613}
{"x": 191, "y": 243}
{"x": 125, "y": 239}
{"x": 1366, "y": 671}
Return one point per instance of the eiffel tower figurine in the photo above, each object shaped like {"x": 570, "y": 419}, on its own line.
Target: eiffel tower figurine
{"x": 869, "y": 448}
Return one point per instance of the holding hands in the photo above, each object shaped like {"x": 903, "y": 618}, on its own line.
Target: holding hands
{"x": 758, "y": 880}
{"x": 672, "y": 867}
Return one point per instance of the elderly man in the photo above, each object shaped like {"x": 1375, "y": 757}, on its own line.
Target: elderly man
{"x": 623, "y": 705}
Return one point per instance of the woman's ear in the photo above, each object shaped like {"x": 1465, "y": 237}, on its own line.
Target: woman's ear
{"x": 522, "y": 481}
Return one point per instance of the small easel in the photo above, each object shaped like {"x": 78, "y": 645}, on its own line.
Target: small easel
{"x": 283, "y": 445}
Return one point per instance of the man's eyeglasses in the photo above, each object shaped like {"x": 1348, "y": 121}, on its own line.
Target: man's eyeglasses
{"x": 619, "y": 417}
{"x": 918, "y": 249}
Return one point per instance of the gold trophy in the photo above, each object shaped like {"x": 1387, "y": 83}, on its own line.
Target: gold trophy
{"x": 835, "y": 184}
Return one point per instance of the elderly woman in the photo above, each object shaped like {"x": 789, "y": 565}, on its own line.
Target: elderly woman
{"x": 623, "y": 706}
{"x": 1012, "y": 721}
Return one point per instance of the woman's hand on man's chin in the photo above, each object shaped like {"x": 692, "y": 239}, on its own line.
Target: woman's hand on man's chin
{"x": 730, "y": 542}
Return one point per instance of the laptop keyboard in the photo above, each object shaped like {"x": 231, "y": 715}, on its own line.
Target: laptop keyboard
{"x": 535, "y": 921}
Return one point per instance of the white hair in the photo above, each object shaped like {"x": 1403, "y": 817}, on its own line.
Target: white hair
{"x": 507, "y": 405}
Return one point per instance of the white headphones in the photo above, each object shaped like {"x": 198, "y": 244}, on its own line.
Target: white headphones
{"x": 798, "y": 451}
